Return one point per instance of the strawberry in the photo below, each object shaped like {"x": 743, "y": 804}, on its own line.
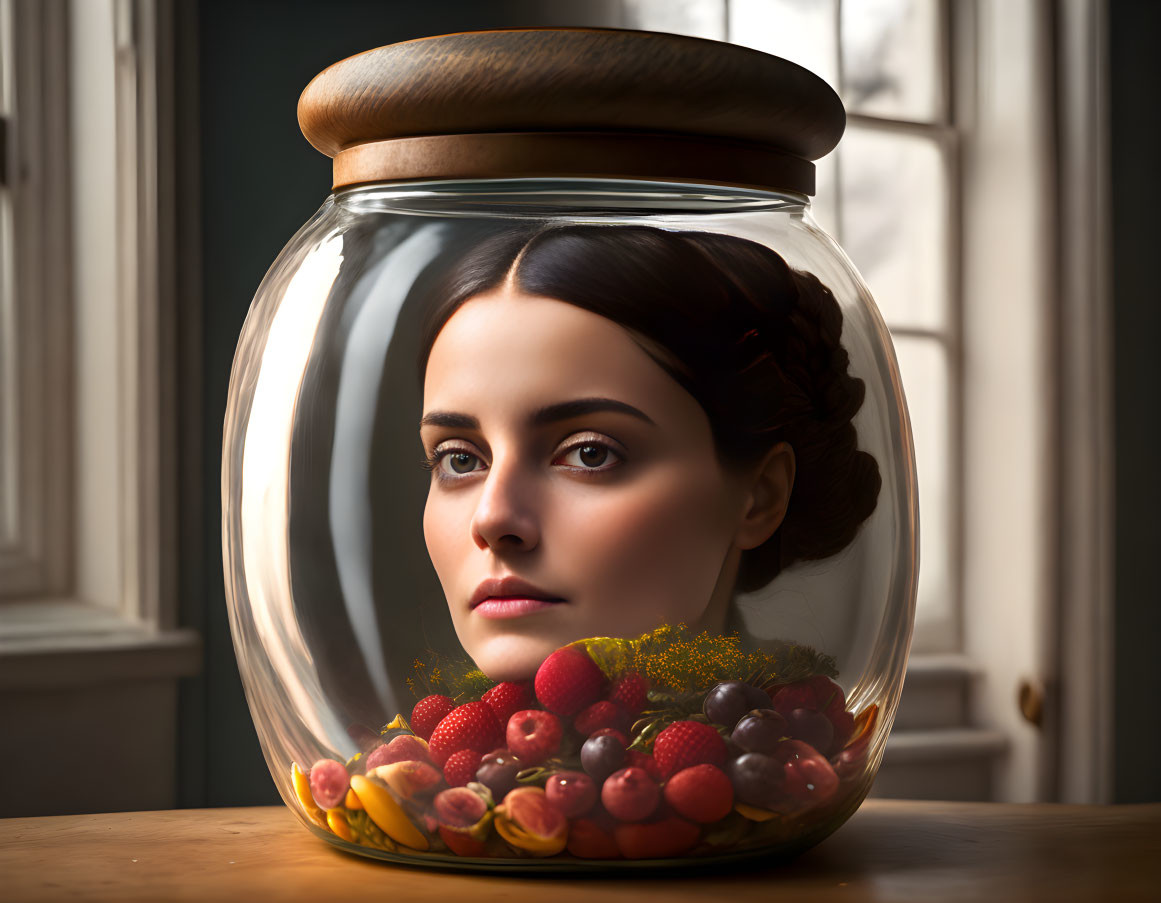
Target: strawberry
{"x": 470, "y": 726}
{"x": 429, "y": 712}
{"x": 508, "y": 698}
{"x": 460, "y": 767}
{"x": 568, "y": 680}
{"x": 601, "y": 714}
{"x": 686, "y": 743}
{"x": 628, "y": 691}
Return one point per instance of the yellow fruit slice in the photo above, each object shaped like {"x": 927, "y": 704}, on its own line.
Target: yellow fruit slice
{"x": 753, "y": 813}
{"x": 398, "y": 723}
{"x": 386, "y": 813}
{"x": 352, "y": 801}
{"x": 338, "y": 823}
{"x": 305, "y": 798}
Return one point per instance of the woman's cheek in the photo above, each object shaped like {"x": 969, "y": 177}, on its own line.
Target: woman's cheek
{"x": 439, "y": 535}
{"x": 637, "y": 538}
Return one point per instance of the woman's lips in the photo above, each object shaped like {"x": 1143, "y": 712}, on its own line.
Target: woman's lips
{"x": 513, "y": 606}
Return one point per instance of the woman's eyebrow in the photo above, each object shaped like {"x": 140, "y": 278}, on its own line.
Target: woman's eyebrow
{"x": 563, "y": 410}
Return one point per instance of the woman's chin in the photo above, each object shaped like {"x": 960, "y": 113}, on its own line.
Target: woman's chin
{"x": 513, "y": 657}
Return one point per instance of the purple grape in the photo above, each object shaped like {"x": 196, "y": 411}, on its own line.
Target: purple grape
{"x": 757, "y": 779}
{"x": 497, "y": 772}
{"x": 601, "y": 756}
{"x": 760, "y": 731}
{"x": 811, "y": 727}
{"x": 731, "y": 699}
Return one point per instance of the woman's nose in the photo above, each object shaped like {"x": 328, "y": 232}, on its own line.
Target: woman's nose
{"x": 505, "y": 519}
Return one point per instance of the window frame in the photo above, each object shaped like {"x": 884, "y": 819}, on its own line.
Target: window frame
{"x": 100, "y": 648}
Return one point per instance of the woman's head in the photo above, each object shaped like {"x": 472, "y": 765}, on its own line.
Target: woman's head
{"x": 728, "y": 453}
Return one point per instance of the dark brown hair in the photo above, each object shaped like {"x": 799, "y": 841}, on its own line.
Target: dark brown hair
{"x": 754, "y": 341}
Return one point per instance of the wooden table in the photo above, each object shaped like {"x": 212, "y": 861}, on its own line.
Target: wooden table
{"x": 889, "y": 850}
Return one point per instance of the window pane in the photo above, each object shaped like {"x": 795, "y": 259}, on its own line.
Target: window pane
{"x": 924, "y": 368}
{"x": 824, "y": 204}
{"x": 891, "y": 60}
{"x": 894, "y": 223}
{"x": 697, "y": 18}
{"x": 802, "y": 31}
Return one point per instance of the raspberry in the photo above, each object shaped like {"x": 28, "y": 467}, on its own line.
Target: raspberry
{"x": 628, "y": 691}
{"x": 469, "y": 726}
{"x": 429, "y": 712}
{"x": 701, "y": 793}
{"x": 601, "y": 714}
{"x": 508, "y": 698}
{"x": 686, "y": 743}
{"x": 460, "y": 767}
{"x": 533, "y": 735}
{"x": 568, "y": 680}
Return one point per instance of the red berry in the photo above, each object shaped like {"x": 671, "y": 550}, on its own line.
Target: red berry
{"x": 429, "y": 712}
{"x": 461, "y": 842}
{"x": 809, "y": 777}
{"x": 701, "y": 793}
{"x": 629, "y": 691}
{"x": 620, "y": 736}
{"x": 587, "y": 840}
{"x": 572, "y": 792}
{"x": 599, "y": 715}
{"x": 656, "y": 840}
{"x": 508, "y": 698}
{"x": 469, "y": 726}
{"x": 533, "y": 735}
{"x": 568, "y": 680}
{"x": 639, "y": 759}
{"x": 404, "y": 748}
{"x": 329, "y": 781}
{"x": 817, "y": 694}
{"x": 460, "y": 767}
{"x": 630, "y": 794}
{"x": 686, "y": 743}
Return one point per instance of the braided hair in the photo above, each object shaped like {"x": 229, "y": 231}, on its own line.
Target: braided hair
{"x": 754, "y": 341}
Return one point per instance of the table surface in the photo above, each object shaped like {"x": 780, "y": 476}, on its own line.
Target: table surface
{"x": 889, "y": 850}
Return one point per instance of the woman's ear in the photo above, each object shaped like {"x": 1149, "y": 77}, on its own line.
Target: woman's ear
{"x": 768, "y": 495}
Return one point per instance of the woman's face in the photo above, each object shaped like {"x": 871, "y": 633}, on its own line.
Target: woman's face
{"x": 567, "y": 459}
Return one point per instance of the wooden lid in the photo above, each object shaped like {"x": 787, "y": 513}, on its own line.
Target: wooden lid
{"x": 576, "y": 102}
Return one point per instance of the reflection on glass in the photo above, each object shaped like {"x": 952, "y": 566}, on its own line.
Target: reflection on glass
{"x": 890, "y": 58}
{"x": 894, "y": 223}
{"x": 924, "y": 367}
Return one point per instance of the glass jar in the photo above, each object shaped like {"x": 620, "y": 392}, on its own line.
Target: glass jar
{"x": 570, "y": 520}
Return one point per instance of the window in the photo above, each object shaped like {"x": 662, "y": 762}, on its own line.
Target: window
{"x": 88, "y": 381}
{"x": 944, "y": 193}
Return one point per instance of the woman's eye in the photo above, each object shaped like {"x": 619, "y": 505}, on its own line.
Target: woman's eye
{"x": 458, "y": 462}
{"x": 591, "y": 456}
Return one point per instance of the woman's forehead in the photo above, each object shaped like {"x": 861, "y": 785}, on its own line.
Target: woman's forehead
{"x": 524, "y": 352}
